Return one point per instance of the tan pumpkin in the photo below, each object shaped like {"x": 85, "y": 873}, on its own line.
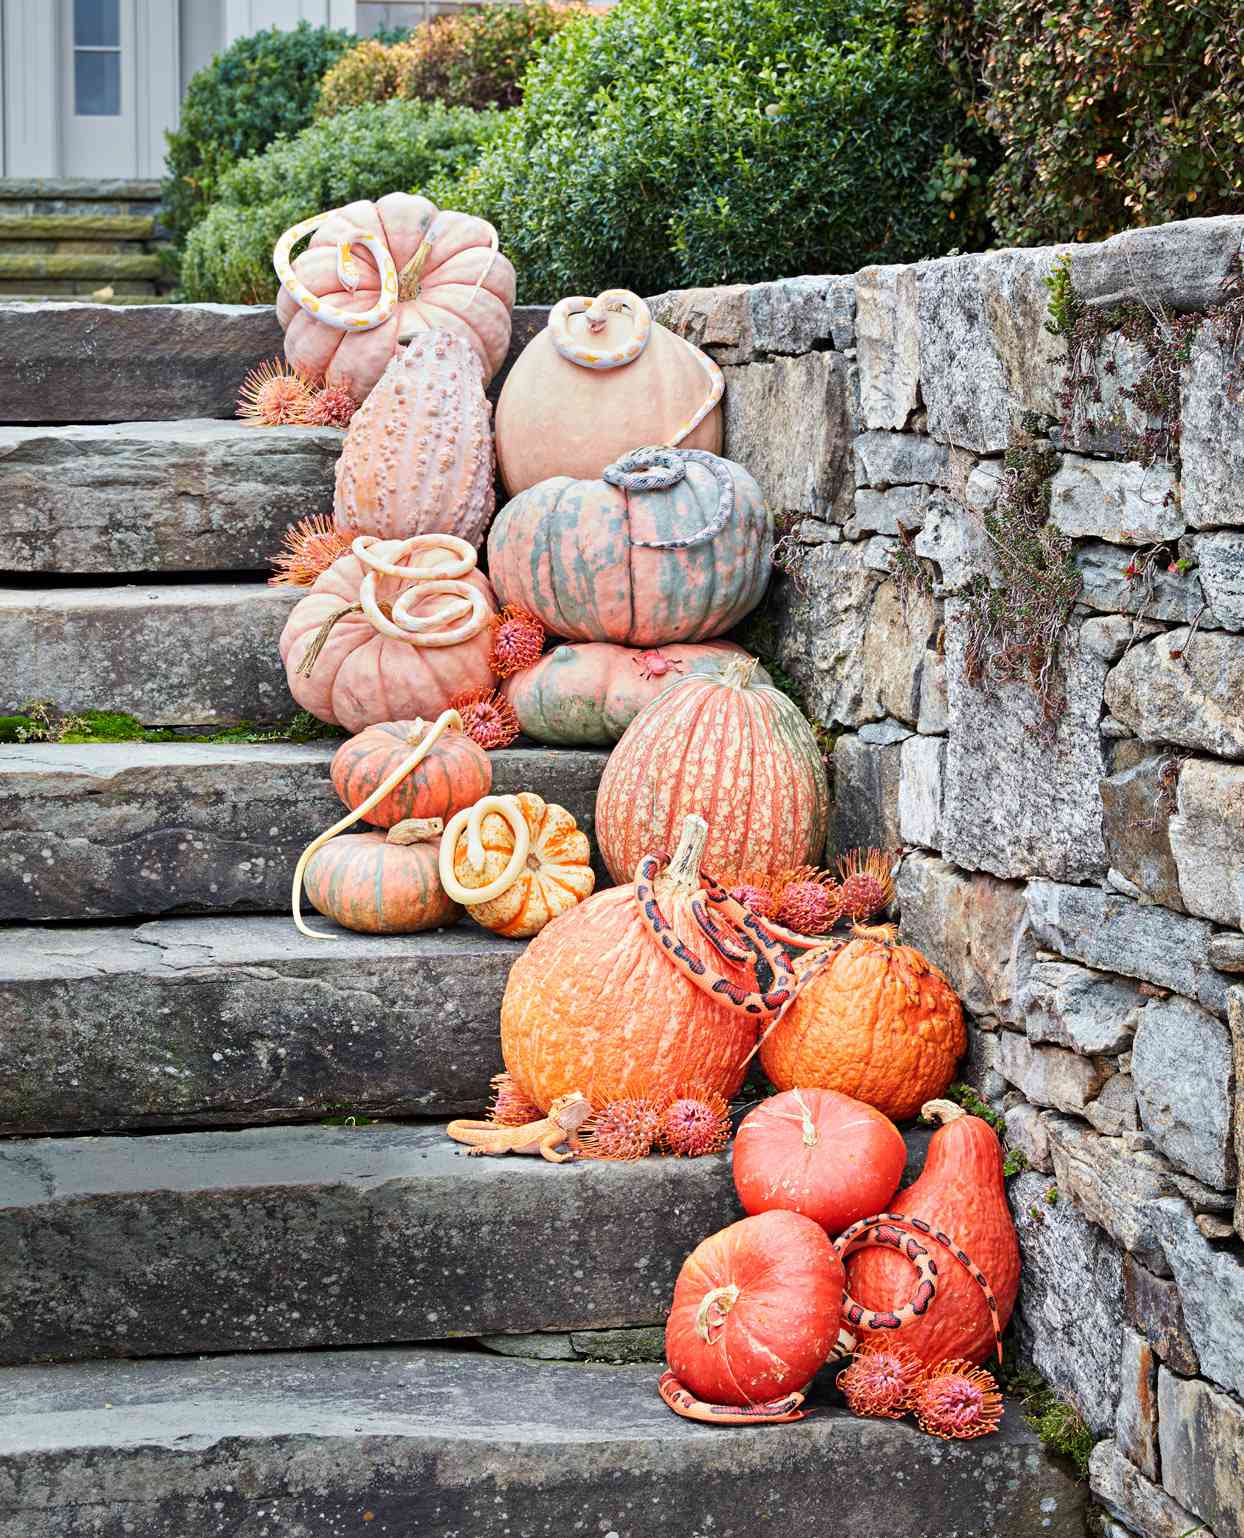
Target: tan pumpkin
{"x": 418, "y": 452}
{"x": 601, "y": 379}
{"x": 450, "y": 277}
{"x": 382, "y": 883}
{"x": 736, "y": 753}
{"x": 528, "y": 854}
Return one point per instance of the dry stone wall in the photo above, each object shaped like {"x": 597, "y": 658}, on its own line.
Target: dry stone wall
{"x": 1078, "y": 872}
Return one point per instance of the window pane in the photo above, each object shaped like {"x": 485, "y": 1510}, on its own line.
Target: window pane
{"x": 97, "y": 23}
{"x": 97, "y": 84}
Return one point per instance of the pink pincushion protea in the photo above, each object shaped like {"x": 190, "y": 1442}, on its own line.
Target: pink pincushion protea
{"x": 331, "y": 407}
{"x": 310, "y": 548}
{"x": 487, "y": 717}
{"x": 755, "y": 893}
{"x": 273, "y": 395}
{"x": 510, "y": 1107}
{"x": 622, "y": 1130}
{"x": 880, "y": 1380}
{"x": 694, "y": 1123}
{"x": 518, "y": 641}
{"x": 867, "y": 886}
{"x": 810, "y": 907}
{"x": 957, "y": 1400}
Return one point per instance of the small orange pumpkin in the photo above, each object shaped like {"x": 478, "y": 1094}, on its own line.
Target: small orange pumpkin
{"x": 529, "y": 853}
{"x": 455, "y": 772}
{"x": 872, "y": 1019}
{"x": 382, "y": 883}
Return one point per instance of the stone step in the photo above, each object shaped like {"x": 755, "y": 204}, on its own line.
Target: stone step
{"x": 45, "y": 196}
{"x": 170, "y": 655}
{"x": 104, "y": 1028}
{"x": 118, "y": 830}
{"x": 76, "y": 227}
{"x": 101, "y": 265}
{"x": 276, "y": 1238}
{"x": 192, "y": 496}
{"x": 445, "y": 1443}
{"x": 82, "y": 290}
{"x": 100, "y": 363}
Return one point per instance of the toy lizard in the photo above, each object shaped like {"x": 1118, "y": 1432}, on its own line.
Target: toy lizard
{"x": 566, "y": 1115}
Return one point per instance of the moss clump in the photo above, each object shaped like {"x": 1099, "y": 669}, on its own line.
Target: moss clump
{"x": 966, "y": 1096}
{"x": 17, "y": 729}
{"x": 1060, "y": 1427}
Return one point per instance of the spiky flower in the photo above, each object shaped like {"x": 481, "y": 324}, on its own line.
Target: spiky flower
{"x": 510, "y": 1107}
{"x": 517, "y": 641}
{"x": 331, "y": 407}
{"x": 274, "y": 395}
{"x": 881, "y": 1380}
{"x": 695, "y": 1122}
{"x": 867, "y": 886}
{"x": 310, "y": 548}
{"x": 755, "y": 891}
{"x": 487, "y": 717}
{"x": 810, "y": 903}
{"x": 623, "y": 1129}
{"x": 956, "y": 1399}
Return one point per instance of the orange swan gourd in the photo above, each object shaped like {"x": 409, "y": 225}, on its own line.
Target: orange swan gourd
{"x": 960, "y": 1192}
{"x": 756, "y": 1310}
{"x": 820, "y": 1153}
{"x": 871, "y": 1019}
{"x": 607, "y": 560}
{"x": 417, "y": 457}
{"x": 603, "y": 999}
{"x": 738, "y": 754}
{"x": 454, "y": 774}
{"x": 380, "y": 640}
{"x": 601, "y": 379}
{"x": 531, "y": 850}
{"x": 586, "y": 695}
{"x": 450, "y": 275}
{"x": 382, "y": 883}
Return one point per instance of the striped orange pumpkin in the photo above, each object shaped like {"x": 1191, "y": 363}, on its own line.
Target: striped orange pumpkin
{"x": 380, "y": 884}
{"x": 456, "y": 773}
{"x": 737, "y": 753}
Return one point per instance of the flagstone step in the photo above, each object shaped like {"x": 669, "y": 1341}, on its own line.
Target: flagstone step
{"x": 121, "y": 830}
{"x": 147, "y": 497}
{"x": 442, "y": 1444}
{"x": 277, "y": 1238}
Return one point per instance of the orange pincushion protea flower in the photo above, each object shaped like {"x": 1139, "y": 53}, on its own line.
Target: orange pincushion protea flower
{"x": 311, "y": 546}
{"x": 623, "y": 1130}
{"x": 956, "y": 1399}
{"x": 331, "y": 407}
{"x": 695, "y": 1122}
{"x": 881, "y": 1380}
{"x": 808, "y": 901}
{"x": 510, "y": 1107}
{"x": 487, "y": 717}
{"x": 867, "y": 886}
{"x": 273, "y": 395}
{"x": 518, "y": 641}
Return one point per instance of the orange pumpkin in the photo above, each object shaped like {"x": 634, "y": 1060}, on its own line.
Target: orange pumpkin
{"x": 733, "y": 751}
{"x": 455, "y": 773}
{"x": 587, "y": 695}
{"x": 961, "y": 1192}
{"x": 382, "y": 883}
{"x": 820, "y": 1153}
{"x": 601, "y": 1002}
{"x": 451, "y": 278}
{"x": 756, "y": 1310}
{"x": 872, "y": 1019}
{"x": 531, "y": 854}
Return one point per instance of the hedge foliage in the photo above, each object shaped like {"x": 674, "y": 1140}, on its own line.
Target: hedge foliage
{"x": 259, "y": 87}
{"x": 386, "y": 147}
{"x": 681, "y": 142}
{"x": 1107, "y": 113}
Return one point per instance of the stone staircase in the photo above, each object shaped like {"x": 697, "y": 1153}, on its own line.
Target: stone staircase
{"x": 248, "y": 1282}
{"x": 65, "y": 238}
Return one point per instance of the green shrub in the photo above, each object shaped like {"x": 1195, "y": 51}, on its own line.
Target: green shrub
{"x": 683, "y": 142}
{"x": 1108, "y": 113}
{"x": 259, "y": 87}
{"x": 387, "y": 147}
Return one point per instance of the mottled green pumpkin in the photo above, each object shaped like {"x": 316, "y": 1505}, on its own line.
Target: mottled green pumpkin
{"x": 379, "y": 884}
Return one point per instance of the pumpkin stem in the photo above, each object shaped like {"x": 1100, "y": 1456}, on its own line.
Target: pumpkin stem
{"x": 409, "y": 277}
{"x": 810, "y": 1138}
{"x": 738, "y": 672}
{"x": 415, "y": 830}
{"x": 313, "y": 651}
{"x": 941, "y": 1111}
{"x": 884, "y": 934}
{"x": 718, "y": 1304}
{"x": 682, "y": 874}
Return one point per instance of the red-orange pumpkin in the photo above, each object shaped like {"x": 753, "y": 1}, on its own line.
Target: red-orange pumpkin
{"x": 732, "y": 751}
{"x": 455, "y": 774}
{"x": 962, "y": 1193}
{"x": 381, "y": 884}
{"x": 820, "y": 1153}
{"x": 756, "y": 1310}
{"x": 872, "y": 1019}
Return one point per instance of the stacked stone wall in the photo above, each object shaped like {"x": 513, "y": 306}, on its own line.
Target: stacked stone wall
{"x": 1074, "y": 860}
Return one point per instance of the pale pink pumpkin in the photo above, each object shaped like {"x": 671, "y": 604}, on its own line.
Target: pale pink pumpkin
{"x": 361, "y": 676}
{"x": 418, "y": 454}
{"x": 440, "y": 296}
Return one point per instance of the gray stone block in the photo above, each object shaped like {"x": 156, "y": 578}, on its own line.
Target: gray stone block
{"x": 1221, "y": 570}
{"x": 114, "y": 830}
{"x": 867, "y": 778}
{"x": 887, "y": 335}
{"x": 1182, "y": 1067}
{"x": 1185, "y": 690}
{"x": 1210, "y": 447}
{"x": 170, "y": 655}
{"x": 1165, "y": 595}
{"x": 1180, "y": 265}
{"x": 200, "y": 496}
{"x": 1235, "y": 1021}
{"x": 443, "y": 1444}
{"x": 243, "y": 1020}
{"x": 1025, "y": 1133}
{"x": 1152, "y": 1306}
{"x": 1112, "y": 1185}
{"x": 887, "y": 459}
{"x": 1202, "y": 1438}
{"x": 887, "y": 512}
{"x": 1074, "y": 1007}
{"x": 1136, "y": 812}
{"x": 1136, "y": 1426}
{"x": 286, "y": 1237}
{"x": 800, "y": 315}
{"x": 642, "y": 1345}
{"x": 1049, "y": 1076}
{"x": 1128, "y": 504}
{"x": 920, "y": 791}
{"x": 1124, "y": 1491}
{"x": 1211, "y": 1292}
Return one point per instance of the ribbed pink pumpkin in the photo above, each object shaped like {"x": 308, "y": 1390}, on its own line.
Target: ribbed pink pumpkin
{"x": 440, "y": 296}
{"x": 418, "y": 454}
{"x": 738, "y": 754}
{"x": 361, "y": 676}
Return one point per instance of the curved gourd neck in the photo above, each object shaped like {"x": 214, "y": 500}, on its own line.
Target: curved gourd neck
{"x": 681, "y": 877}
